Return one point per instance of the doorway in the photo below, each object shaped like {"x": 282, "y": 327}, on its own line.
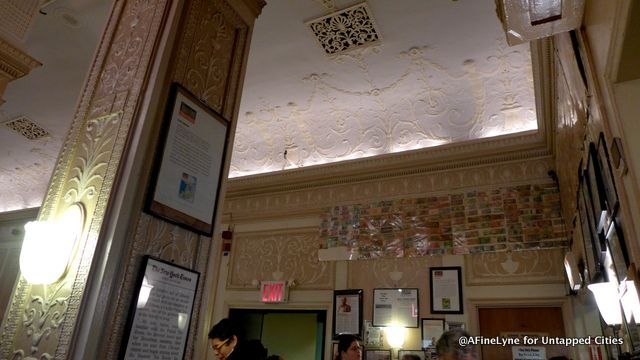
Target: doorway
{"x": 520, "y": 322}
{"x": 292, "y": 334}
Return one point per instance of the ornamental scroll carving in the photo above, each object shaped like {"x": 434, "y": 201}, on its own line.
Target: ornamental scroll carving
{"x": 290, "y": 255}
{"x": 517, "y": 267}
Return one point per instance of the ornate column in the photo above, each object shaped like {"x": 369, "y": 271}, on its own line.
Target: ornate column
{"x": 208, "y": 41}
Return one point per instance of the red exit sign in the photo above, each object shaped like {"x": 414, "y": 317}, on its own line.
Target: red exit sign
{"x": 274, "y": 291}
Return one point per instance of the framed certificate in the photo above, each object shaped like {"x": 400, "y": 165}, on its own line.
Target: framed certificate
{"x": 377, "y": 354}
{"x": 419, "y": 353}
{"x": 395, "y": 307}
{"x": 189, "y": 164}
{"x": 347, "y": 312}
{"x": 160, "y": 314}
{"x": 432, "y": 329}
{"x": 445, "y": 287}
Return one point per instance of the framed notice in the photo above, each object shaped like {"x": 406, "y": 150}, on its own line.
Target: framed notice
{"x": 445, "y": 287}
{"x": 347, "y": 312}
{"x": 188, "y": 168}
{"x": 377, "y": 354}
{"x": 160, "y": 314}
{"x": 395, "y": 307}
{"x": 373, "y": 336}
{"x": 419, "y": 353}
{"x": 432, "y": 329}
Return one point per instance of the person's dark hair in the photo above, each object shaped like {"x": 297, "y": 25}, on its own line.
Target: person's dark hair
{"x": 344, "y": 341}
{"x": 223, "y": 330}
{"x": 448, "y": 344}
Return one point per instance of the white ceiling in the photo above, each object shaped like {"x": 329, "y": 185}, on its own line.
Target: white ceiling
{"x": 442, "y": 73}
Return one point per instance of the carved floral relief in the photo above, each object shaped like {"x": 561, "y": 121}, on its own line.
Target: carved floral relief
{"x": 282, "y": 255}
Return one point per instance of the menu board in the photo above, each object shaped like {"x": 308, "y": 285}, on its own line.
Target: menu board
{"x": 161, "y": 313}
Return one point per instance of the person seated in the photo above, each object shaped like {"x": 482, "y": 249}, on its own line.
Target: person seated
{"x": 349, "y": 348}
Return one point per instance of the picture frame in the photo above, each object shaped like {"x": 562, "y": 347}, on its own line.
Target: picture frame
{"x": 445, "y": 290}
{"x": 432, "y": 329}
{"x": 377, "y": 354}
{"x": 396, "y": 307}
{"x": 611, "y": 195}
{"x": 161, "y": 310}
{"x": 419, "y": 353}
{"x": 347, "y": 312}
{"x": 373, "y": 335}
{"x": 592, "y": 249}
{"x": 597, "y": 196}
{"x": 452, "y": 325}
{"x": 618, "y": 249}
{"x": 188, "y": 168}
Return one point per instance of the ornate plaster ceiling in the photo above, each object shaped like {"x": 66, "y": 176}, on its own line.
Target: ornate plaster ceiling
{"x": 441, "y": 73}
{"x": 64, "y": 41}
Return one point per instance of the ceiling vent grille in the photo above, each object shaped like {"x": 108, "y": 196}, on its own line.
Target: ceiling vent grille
{"x": 27, "y": 128}
{"x": 345, "y": 29}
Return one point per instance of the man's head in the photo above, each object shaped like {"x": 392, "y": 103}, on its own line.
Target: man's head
{"x": 223, "y": 338}
{"x": 448, "y": 346}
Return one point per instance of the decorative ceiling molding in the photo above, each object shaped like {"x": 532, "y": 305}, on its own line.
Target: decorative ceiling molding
{"x": 14, "y": 64}
{"x": 16, "y": 17}
{"x": 345, "y": 29}
{"x": 446, "y": 157}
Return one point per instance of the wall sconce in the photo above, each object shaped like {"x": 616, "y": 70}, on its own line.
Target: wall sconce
{"x": 48, "y": 246}
{"x": 395, "y": 336}
{"x": 606, "y": 294}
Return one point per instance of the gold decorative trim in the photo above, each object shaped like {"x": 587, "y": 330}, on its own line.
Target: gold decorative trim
{"x": 15, "y": 63}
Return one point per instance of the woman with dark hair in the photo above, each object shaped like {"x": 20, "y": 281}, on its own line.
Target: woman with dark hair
{"x": 227, "y": 345}
{"x": 349, "y": 348}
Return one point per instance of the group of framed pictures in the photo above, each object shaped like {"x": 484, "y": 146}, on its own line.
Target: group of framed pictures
{"x": 599, "y": 218}
{"x": 398, "y": 306}
{"x": 600, "y": 222}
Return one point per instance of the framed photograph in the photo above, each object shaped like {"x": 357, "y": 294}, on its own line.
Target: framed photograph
{"x": 395, "y": 307}
{"x": 617, "y": 247}
{"x": 160, "y": 315}
{"x": 419, "y": 353}
{"x": 186, "y": 178}
{"x": 432, "y": 329}
{"x": 611, "y": 195}
{"x": 597, "y": 195}
{"x": 445, "y": 287}
{"x": 592, "y": 250}
{"x": 373, "y": 336}
{"x": 347, "y": 312}
{"x": 377, "y": 355}
{"x": 452, "y": 325}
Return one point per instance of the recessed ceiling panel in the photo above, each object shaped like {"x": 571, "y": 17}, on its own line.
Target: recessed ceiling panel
{"x": 444, "y": 73}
